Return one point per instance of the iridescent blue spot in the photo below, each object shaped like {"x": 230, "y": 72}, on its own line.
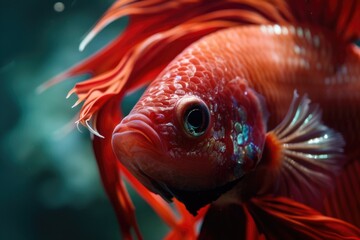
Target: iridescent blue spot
{"x": 238, "y": 127}
{"x": 252, "y": 151}
{"x": 245, "y": 132}
{"x": 240, "y": 139}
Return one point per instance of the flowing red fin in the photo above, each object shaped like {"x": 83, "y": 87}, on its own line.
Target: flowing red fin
{"x": 155, "y": 201}
{"x": 339, "y": 16}
{"x": 109, "y": 171}
{"x": 302, "y": 156}
{"x": 344, "y": 201}
{"x": 187, "y": 227}
{"x": 156, "y": 28}
{"x": 282, "y": 218}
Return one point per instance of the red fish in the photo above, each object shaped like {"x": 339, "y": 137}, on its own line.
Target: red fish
{"x": 251, "y": 117}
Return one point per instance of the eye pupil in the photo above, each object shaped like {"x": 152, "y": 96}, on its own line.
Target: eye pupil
{"x": 197, "y": 119}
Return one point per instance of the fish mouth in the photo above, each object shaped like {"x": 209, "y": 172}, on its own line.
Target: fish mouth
{"x": 140, "y": 149}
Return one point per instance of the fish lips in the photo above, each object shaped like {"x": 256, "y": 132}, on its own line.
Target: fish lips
{"x": 136, "y": 145}
{"x": 138, "y": 126}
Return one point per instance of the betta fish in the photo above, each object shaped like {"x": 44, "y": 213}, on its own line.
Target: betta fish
{"x": 250, "y": 122}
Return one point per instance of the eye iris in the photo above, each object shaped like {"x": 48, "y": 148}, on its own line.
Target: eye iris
{"x": 197, "y": 120}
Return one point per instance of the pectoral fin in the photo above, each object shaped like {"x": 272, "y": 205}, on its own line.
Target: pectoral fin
{"x": 301, "y": 156}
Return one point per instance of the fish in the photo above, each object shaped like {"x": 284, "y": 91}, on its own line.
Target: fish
{"x": 249, "y": 123}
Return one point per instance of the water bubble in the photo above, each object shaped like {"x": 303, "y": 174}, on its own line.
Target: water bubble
{"x": 59, "y": 7}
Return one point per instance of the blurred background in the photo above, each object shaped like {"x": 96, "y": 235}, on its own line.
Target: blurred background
{"x": 49, "y": 182}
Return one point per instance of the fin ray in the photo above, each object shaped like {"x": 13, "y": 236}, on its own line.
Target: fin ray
{"x": 310, "y": 157}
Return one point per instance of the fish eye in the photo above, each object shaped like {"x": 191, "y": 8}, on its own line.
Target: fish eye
{"x": 196, "y": 120}
{"x": 194, "y": 116}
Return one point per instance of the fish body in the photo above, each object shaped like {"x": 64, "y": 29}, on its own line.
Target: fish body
{"x": 221, "y": 75}
{"x": 223, "y": 121}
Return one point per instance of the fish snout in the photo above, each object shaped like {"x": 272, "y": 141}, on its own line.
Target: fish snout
{"x": 139, "y": 147}
{"x": 137, "y": 131}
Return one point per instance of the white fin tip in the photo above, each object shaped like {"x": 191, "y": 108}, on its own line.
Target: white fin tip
{"x": 96, "y": 133}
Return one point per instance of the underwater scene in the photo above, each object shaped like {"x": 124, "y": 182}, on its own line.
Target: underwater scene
{"x": 156, "y": 119}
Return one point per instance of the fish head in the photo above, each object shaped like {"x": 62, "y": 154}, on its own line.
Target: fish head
{"x": 191, "y": 138}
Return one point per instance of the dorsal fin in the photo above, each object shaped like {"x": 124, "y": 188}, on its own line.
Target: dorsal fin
{"x": 167, "y": 27}
{"x": 339, "y": 16}
{"x": 156, "y": 27}
{"x": 302, "y": 155}
{"x": 161, "y": 26}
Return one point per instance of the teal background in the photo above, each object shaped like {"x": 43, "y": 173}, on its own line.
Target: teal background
{"x": 49, "y": 182}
